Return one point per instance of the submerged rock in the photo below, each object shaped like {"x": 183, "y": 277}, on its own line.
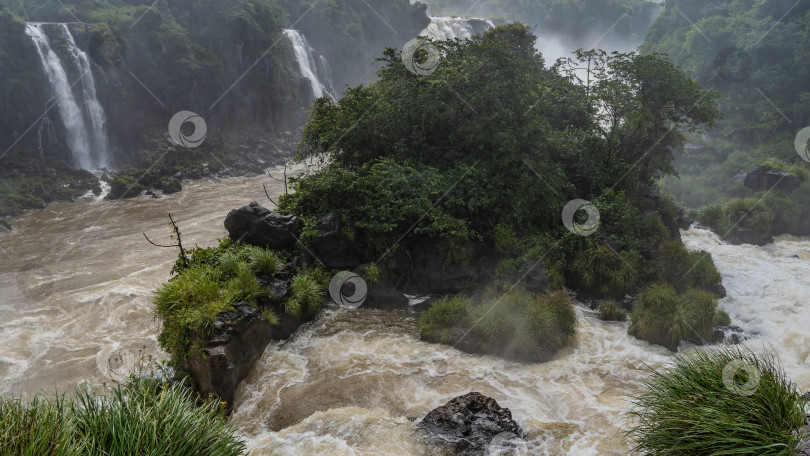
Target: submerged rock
{"x": 468, "y": 425}
{"x": 259, "y": 226}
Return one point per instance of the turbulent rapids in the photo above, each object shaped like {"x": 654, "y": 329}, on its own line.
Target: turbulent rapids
{"x": 348, "y": 382}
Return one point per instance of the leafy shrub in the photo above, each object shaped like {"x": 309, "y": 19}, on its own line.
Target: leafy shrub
{"x": 665, "y": 318}
{"x": 611, "y": 311}
{"x": 516, "y": 325}
{"x": 695, "y": 407}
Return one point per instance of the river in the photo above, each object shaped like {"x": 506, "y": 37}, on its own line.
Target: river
{"x": 75, "y": 289}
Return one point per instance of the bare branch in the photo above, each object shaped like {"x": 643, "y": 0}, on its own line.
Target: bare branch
{"x": 268, "y": 195}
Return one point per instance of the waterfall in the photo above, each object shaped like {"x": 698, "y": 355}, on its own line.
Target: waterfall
{"x": 85, "y": 123}
{"x": 448, "y": 28}
{"x": 308, "y": 66}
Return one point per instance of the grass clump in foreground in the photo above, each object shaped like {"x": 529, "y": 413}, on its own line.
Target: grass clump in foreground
{"x": 721, "y": 402}
{"x": 517, "y": 325}
{"x": 143, "y": 417}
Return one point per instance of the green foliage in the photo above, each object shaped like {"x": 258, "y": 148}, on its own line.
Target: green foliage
{"x": 371, "y": 274}
{"x": 307, "y": 293}
{"x": 605, "y": 271}
{"x": 142, "y": 417}
{"x": 211, "y": 282}
{"x": 684, "y": 269}
{"x": 665, "y": 318}
{"x": 446, "y": 312}
{"x": 611, "y": 311}
{"x": 271, "y": 316}
{"x": 263, "y": 262}
{"x": 517, "y": 324}
{"x": 722, "y": 318}
{"x": 407, "y": 157}
{"x": 42, "y": 427}
{"x": 694, "y": 407}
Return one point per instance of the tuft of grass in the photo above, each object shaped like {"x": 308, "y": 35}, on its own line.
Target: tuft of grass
{"x": 371, "y": 274}
{"x": 665, "y": 318}
{"x": 611, "y": 311}
{"x": 307, "y": 293}
{"x": 605, "y": 271}
{"x": 143, "y": 417}
{"x": 722, "y": 318}
{"x": 516, "y": 325}
{"x": 229, "y": 264}
{"x": 271, "y": 317}
{"x": 684, "y": 268}
{"x": 262, "y": 261}
{"x": 446, "y": 312}
{"x": 41, "y": 428}
{"x": 727, "y": 401}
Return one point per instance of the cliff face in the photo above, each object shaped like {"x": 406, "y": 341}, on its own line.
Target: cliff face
{"x": 229, "y": 62}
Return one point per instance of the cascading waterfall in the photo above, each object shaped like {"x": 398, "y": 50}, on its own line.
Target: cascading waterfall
{"x": 449, "y": 28}
{"x": 84, "y": 123}
{"x": 308, "y": 66}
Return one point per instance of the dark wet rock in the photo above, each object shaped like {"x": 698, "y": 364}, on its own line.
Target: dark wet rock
{"x": 716, "y": 289}
{"x": 331, "y": 247}
{"x": 382, "y": 294}
{"x": 169, "y": 186}
{"x": 432, "y": 273}
{"x": 728, "y": 334}
{"x": 238, "y": 340}
{"x": 764, "y": 178}
{"x": 467, "y": 425}
{"x": 749, "y": 236}
{"x": 4, "y": 226}
{"x": 683, "y": 220}
{"x": 256, "y": 225}
{"x": 628, "y": 302}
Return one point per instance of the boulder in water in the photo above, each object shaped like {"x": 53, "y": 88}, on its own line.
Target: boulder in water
{"x": 467, "y": 425}
{"x": 256, "y": 225}
{"x": 764, "y": 178}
